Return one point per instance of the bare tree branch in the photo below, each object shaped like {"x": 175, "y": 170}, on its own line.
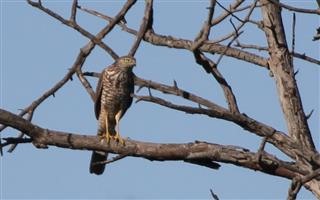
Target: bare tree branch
{"x": 299, "y": 181}
{"x": 172, "y": 42}
{"x": 301, "y": 56}
{"x": 211, "y": 67}
{"x": 282, "y": 69}
{"x": 42, "y": 138}
{"x": 235, "y": 33}
{"x": 72, "y": 23}
{"x": 204, "y": 33}
{"x": 74, "y": 11}
{"x": 84, "y": 52}
{"x": 232, "y": 9}
{"x": 146, "y": 24}
{"x": 295, "y": 9}
{"x": 304, "y": 165}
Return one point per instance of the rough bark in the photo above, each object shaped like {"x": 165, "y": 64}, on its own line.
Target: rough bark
{"x": 281, "y": 66}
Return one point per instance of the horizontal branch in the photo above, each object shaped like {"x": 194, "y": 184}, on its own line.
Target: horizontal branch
{"x": 277, "y": 138}
{"x": 178, "y": 43}
{"x": 188, "y": 152}
{"x": 301, "y": 56}
{"x": 296, "y": 9}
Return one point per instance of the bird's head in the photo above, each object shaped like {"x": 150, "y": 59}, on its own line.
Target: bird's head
{"x": 126, "y": 62}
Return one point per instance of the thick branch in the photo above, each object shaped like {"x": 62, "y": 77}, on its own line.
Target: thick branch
{"x": 188, "y": 152}
{"x": 281, "y": 66}
{"x": 172, "y": 42}
{"x": 275, "y": 137}
{"x": 83, "y": 54}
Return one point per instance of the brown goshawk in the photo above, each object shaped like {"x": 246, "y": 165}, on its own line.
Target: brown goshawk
{"x": 113, "y": 98}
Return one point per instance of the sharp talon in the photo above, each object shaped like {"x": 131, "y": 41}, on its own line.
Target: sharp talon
{"x": 106, "y": 137}
{"x": 119, "y": 139}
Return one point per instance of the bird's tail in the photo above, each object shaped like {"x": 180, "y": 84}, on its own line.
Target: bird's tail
{"x": 96, "y": 157}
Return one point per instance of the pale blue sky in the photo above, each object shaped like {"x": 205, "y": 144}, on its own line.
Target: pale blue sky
{"x": 36, "y": 51}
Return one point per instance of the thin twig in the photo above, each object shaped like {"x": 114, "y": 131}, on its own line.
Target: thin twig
{"x": 261, "y": 149}
{"x": 204, "y": 33}
{"x": 250, "y": 46}
{"x": 295, "y": 9}
{"x": 84, "y": 52}
{"x": 293, "y": 41}
{"x": 86, "y": 84}
{"x": 21, "y": 134}
{"x": 169, "y": 41}
{"x": 211, "y": 67}
{"x": 12, "y": 140}
{"x": 75, "y": 26}
{"x": 230, "y": 12}
{"x": 74, "y": 11}
{"x": 301, "y": 56}
{"x": 214, "y": 196}
{"x": 146, "y": 24}
{"x": 116, "y": 158}
{"x": 232, "y": 9}
{"x": 236, "y": 31}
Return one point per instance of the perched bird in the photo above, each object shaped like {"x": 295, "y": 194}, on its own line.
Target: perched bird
{"x": 113, "y": 98}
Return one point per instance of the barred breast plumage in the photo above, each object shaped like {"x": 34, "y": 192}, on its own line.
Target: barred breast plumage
{"x": 113, "y": 98}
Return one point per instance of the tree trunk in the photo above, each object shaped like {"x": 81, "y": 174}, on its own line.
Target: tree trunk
{"x": 281, "y": 66}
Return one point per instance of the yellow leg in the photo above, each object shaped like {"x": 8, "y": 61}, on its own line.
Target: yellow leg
{"x": 106, "y": 135}
{"x": 117, "y": 137}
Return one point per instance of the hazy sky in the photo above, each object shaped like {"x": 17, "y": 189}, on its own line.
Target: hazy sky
{"x": 36, "y": 51}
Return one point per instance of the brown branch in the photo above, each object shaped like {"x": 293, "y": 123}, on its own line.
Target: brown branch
{"x": 301, "y": 56}
{"x": 32, "y": 107}
{"x": 250, "y": 46}
{"x": 274, "y": 137}
{"x": 210, "y": 67}
{"x": 74, "y": 11}
{"x": 295, "y": 9}
{"x": 232, "y": 9}
{"x": 71, "y": 23}
{"x": 306, "y": 58}
{"x": 204, "y": 33}
{"x": 235, "y": 33}
{"x": 299, "y": 181}
{"x": 281, "y": 67}
{"x": 277, "y": 138}
{"x": 86, "y": 84}
{"x": 12, "y": 140}
{"x": 294, "y": 189}
{"x": 293, "y": 41}
{"x": 174, "y": 90}
{"x": 21, "y": 134}
{"x": 114, "y": 159}
{"x": 231, "y": 13}
{"x": 171, "y": 42}
{"x": 146, "y": 24}
{"x": 152, "y": 151}
{"x": 84, "y": 52}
